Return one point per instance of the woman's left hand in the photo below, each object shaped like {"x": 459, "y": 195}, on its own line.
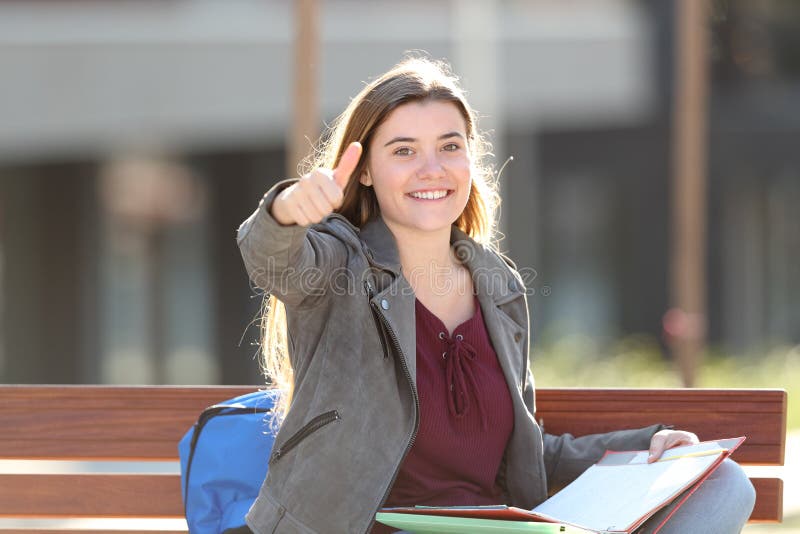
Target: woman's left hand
{"x": 667, "y": 439}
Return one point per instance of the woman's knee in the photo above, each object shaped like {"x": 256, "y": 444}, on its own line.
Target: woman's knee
{"x": 738, "y": 487}
{"x": 720, "y": 505}
{"x": 729, "y": 496}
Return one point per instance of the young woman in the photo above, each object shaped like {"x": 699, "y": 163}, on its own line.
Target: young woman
{"x": 400, "y": 334}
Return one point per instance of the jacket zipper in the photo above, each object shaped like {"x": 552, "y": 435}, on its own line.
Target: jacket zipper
{"x": 309, "y": 428}
{"x": 525, "y": 369}
{"x": 375, "y": 314}
{"x": 416, "y": 414}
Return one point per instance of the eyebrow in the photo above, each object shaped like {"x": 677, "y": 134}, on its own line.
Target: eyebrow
{"x": 448, "y": 135}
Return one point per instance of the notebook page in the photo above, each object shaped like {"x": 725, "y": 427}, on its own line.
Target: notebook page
{"x": 611, "y": 498}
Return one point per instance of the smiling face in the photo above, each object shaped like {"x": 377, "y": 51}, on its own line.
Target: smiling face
{"x": 419, "y": 166}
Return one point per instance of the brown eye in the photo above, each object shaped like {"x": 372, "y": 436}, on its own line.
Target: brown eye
{"x": 451, "y": 147}
{"x": 405, "y": 151}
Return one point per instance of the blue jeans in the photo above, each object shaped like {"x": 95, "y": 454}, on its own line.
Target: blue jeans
{"x": 721, "y": 505}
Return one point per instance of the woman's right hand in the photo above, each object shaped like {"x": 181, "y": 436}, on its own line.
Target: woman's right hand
{"x": 316, "y": 194}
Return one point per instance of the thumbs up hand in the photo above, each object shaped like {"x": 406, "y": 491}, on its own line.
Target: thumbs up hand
{"x": 318, "y": 193}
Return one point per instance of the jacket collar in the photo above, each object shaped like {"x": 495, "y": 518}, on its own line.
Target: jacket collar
{"x": 492, "y": 275}
{"x": 381, "y": 245}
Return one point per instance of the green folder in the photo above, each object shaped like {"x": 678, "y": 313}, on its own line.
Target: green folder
{"x": 435, "y": 524}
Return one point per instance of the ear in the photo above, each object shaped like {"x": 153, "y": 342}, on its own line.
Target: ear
{"x": 365, "y": 178}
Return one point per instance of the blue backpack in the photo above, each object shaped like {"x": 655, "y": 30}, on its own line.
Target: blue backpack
{"x": 224, "y": 459}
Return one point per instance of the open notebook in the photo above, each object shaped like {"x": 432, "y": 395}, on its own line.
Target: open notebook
{"x": 617, "y": 494}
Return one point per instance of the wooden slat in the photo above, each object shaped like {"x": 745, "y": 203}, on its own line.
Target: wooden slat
{"x": 96, "y": 422}
{"x": 90, "y": 496}
{"x": 159, "y": 496}
{"x": 758, "y": 414}
{"x": 102, "y": 422}
{"x": 769, "y": 500}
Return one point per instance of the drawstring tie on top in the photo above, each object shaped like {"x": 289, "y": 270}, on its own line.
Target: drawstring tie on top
{"x": 460, "y": 357}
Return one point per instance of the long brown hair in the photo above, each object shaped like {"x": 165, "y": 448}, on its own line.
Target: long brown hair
{"x": 415, "y": 79}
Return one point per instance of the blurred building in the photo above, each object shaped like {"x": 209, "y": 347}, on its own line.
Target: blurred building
{"x": 136, "y": 136}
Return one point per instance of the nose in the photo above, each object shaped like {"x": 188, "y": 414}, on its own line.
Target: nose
{"x": 430, "y": 167}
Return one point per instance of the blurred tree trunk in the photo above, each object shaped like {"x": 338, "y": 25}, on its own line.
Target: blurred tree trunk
{"x": 685, "y": 322}
{"x": 304, "y": 128}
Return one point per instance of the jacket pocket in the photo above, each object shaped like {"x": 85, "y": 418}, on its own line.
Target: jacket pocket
{"x": 267, "y": 516}
{"x": 309, "y": 428}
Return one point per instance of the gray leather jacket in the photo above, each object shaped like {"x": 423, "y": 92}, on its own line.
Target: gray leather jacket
{"x": 352, "y": 342}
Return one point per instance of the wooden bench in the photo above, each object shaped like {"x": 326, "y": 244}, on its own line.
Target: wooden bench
{"x": 100, "y": 423}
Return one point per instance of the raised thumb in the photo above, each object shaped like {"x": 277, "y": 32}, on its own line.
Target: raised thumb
{"x": 347, "y": 164}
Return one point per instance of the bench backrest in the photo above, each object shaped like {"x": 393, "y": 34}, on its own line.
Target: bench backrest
{"x": 105, "y": 423}
{"x": 759, "y": 414}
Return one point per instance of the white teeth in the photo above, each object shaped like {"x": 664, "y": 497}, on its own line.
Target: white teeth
{"x": 429, "y": 195}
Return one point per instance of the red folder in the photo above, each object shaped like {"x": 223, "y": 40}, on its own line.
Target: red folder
{"x": 617, "y": 494}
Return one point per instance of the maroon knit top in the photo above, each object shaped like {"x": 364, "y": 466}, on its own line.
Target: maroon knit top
{"x": 466, "y": 417}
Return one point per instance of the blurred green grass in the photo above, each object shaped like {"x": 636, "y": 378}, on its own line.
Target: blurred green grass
{"x": 639, "y": 361}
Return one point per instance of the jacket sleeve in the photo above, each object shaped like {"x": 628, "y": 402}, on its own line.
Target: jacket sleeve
{"x": 292, "y": 262}
{"x": 566, "y": 457}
